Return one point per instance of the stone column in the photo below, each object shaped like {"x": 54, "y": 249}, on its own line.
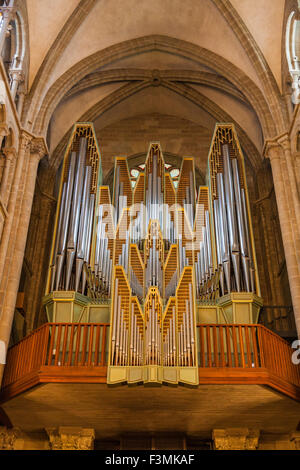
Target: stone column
{"x": 71, "y": 438}
{"x": 291, "y": 170}
{"x": 21, "y": 95}
{"x": 289, "y": 227}
{"x": 7, "y": 12}
{"x": 17, "y": 77}
{"x": 39, "y": 244}
{"x": 10, "y": 156}
{"x": 3, "y": 133}
{"x": 235, "y": 439}
{"x": 296, "y": 156}
{"x": 19, "y": 174}
{"x": 16, "y": 254}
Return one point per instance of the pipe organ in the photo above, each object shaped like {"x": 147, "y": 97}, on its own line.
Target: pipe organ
{"x": 235, "y": 253}
{"x": 156, "y": 255}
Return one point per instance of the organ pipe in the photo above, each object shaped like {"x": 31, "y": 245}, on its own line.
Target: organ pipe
{"x": 181, "y": 246}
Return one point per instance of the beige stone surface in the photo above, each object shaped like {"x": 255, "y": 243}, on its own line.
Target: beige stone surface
{"x": 45, "y": 22}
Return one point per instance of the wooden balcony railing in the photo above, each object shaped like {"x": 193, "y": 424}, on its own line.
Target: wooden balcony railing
{"x": 78, "y": 352}
{"x": 247, "y": 353}
{"x": 57, "y": 345}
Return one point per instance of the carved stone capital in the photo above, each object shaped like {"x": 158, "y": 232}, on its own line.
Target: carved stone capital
{"x": 4, "y": 131}
{"x": 17, "y": 74}
{"x": 8, "y": 11}
{"x": 8, "y": 437}
{"x": 71, "y": 438}
{"x": 38, "y": 148}
{"x": 285, "y": 143}
{"x": 272, "y": 150}
{"x": 235, "y": 439}
{"x": 25, "y": 140}
{"x": 10, "y": 153}
{"x": 295, "y": 440}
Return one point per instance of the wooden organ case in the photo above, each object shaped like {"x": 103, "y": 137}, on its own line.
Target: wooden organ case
{"x": 151, "y": 258}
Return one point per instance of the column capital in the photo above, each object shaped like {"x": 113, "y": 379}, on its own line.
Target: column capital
{"x": 235, "y": 439}
{"x": 17, "y": 74}
{"x": 295, "y": 440}
{"x": 10, "y": 153}
{"x": 8, "y": 10}
{"x": 279, "y": 143}
{"x": 285, "y": 142}
{"x": 71, "y": 438}
{"x": 8, "y": 437}
{"x": 4, "y": 131}
{"x": 25, "y": 139}
{"x": 38, "y": 148}
{"x": 271, "y": 150}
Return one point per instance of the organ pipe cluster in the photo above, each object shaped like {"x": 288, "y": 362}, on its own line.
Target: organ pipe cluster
{"x": 74, "y": 225}
{"x": 154, "y": 250}
{"x": 235, "y": 253}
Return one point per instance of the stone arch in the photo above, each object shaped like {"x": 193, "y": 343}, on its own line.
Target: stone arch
{"x": 125, "y": 49}
{"x": 25, "y": 53}
{"x": 191, "y": 76}
{"x": 130, "y": 89}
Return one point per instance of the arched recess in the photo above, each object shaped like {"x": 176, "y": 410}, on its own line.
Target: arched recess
{"x": 15, "y": 53}
{"x": 135, "y": 160}
{"x": 41, "y": 114}
{"x": 196, "y": 97}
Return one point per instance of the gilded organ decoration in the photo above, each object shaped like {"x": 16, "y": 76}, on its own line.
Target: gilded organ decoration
{"x": 158, "y": 256}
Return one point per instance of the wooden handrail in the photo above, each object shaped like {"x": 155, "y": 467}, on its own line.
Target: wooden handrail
{"x": 246, "y": 346}
{"x": 57, "y": 344}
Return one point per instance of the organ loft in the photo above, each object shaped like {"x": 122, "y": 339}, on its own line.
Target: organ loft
{"x": 156, "y": 257}
{"x": 149, "y": 225}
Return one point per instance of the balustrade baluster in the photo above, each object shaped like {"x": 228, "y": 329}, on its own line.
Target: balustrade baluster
{"x": 228, "y": 346}
{"x": 103, "y": 345}
{"x": 57, "y": 348}
{"x": 202, "y": 347}
{"x": 235, "y": 347}
{"x": 254, "y": 343}
{"x": 70, "y": 353}
{"x": 65, "y": 338}
{"x": 84, "y": 343}
{"x": 242, "y": 351}
{"x": 78, "y": 338}
{"x": 208, "y": 340}
{"x": 215, "y": 345}
{"x": 90, "y": 349}
{"x": 52, "y": 335}
{"x": 248, "y": 347}
{"x": 221, "y": 334}
{"x": 98, "y": 331}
